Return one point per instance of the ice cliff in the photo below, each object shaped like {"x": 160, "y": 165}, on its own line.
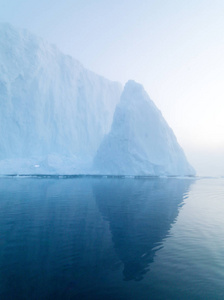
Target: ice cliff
{"x": 140, "y": 141}
{"x": 56, "y": 117}
{"x": 53, "y": 112}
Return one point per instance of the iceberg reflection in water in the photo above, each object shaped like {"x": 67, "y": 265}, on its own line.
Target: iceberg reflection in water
{"x": 83, "y": 238}
{"x": 140, "y": 214}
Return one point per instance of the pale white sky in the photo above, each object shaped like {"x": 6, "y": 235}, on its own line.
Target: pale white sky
{"x": 175, "y": 48}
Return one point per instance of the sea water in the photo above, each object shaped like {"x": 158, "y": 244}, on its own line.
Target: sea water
{"x": 111, "y": 238}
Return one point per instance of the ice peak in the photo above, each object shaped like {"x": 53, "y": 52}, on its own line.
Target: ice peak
{"x": 132, "y": 83}
{"x": 134, "y": 91}
{"x": 140, "y": 141}
{"x": 133, "y": 86}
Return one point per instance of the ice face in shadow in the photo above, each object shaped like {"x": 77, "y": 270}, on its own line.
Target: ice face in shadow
{"x": 140, "y": 214}
{"x": 140, "y": 141}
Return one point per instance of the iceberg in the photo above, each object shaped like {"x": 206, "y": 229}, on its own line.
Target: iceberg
{"x": 57, "y": 117}
{"x": 140, "y": 141}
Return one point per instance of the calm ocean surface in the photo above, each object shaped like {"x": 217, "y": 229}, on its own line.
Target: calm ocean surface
{"x": 110, "y": 238}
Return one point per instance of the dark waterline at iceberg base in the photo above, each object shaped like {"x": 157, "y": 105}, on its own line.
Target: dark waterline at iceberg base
{"x": 111, "y": 238}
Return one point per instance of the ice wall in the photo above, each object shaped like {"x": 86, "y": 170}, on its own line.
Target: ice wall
{"x": 53, "y": 112}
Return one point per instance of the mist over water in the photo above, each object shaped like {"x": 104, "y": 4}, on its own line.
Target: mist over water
{"x": 95, "y": 238}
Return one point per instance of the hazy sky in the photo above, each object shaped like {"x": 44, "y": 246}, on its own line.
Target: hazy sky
{"x": 175, "y": 48}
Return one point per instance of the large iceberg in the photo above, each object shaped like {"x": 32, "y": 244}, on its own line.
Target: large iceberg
{"x": 56, "y": 117}
{"x": 140, "y": 141}
{"x": 54, "y": 113}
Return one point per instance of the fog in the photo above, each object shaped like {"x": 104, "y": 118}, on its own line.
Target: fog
{"x": 174, "y": 48}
